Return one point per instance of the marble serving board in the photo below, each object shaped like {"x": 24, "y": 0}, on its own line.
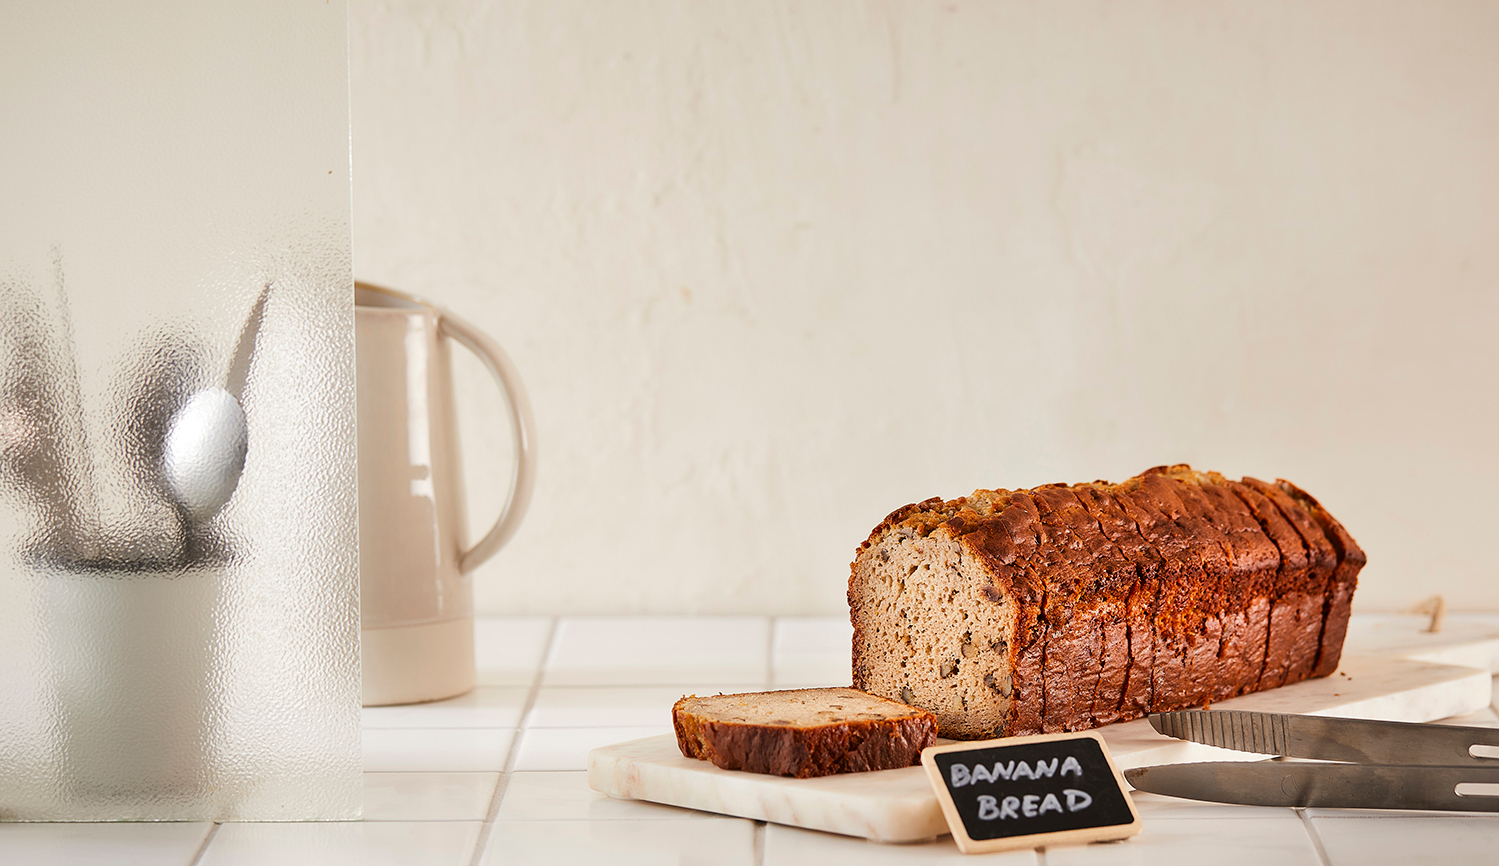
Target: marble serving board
{"x": 1467, "y": 640}
{"x": 899, "y": 806}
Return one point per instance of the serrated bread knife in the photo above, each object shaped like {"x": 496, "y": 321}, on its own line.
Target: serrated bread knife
{"x": 1390, "y": 765}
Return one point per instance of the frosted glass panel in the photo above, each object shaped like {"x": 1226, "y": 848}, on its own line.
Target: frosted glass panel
{"x": 179, "y": 617}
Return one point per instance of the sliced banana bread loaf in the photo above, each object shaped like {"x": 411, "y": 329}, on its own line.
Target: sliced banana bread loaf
{"x": 1067, "y": 607}
{"x": 802, "y": 732}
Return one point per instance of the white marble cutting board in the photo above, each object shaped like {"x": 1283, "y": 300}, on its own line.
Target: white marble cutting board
{"x": 1467, "y": 640}
{"x": 899, "y": 806}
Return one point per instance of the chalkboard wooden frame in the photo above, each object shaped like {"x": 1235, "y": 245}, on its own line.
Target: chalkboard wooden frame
{"x": 932, "y": 759}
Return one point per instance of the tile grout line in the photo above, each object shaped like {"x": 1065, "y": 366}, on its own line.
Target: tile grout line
{"x": 213, "y": 830}
{"x": 770, "y": 654}
{"x": 757, "y": 841}
{"x": 553, "y": 633}
{"x": 1311, "y": 831}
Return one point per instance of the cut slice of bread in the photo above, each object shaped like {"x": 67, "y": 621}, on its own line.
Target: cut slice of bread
{"x": 802, "y": 732}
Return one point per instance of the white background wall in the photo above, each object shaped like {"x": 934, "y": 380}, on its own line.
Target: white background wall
{"x": 773, "y": 269}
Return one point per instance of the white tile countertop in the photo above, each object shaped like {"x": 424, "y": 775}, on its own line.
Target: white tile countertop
{"x": 498, "y": 776}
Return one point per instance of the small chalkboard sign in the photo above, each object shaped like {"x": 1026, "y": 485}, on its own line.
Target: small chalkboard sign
{"x": 1024, "y": 792}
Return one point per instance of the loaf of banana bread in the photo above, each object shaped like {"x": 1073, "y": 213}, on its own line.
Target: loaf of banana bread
{"x": 1071, "y": 606}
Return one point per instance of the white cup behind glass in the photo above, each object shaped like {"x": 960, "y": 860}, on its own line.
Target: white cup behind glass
{"x": 416, "y": 595}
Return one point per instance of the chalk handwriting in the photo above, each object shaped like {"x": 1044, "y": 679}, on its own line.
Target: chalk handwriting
{"x": 962, "y": 774}
{"x": 1031, "y": 805}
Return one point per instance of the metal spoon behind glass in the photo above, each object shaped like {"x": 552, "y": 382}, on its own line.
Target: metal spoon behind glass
{"x": 203, "y": 455}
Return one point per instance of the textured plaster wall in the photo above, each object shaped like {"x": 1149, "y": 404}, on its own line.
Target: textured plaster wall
{"x": 773, "y": 269}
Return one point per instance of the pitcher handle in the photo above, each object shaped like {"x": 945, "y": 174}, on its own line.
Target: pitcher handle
{"x": 523, "y": 476}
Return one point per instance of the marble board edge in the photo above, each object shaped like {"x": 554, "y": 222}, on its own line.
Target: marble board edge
{"x": 899, "y": 806}
{"x": 895, "y": 806}
{"x": 1465, "y": 640}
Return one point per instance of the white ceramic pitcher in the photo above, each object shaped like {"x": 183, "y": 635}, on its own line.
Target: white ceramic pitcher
{"x": 416, "y": 596}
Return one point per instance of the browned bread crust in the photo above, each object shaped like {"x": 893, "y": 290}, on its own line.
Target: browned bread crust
{"x": 802, "y": 732}
{"x": 1296, "y": 611}
{"x": 1070, "y": 606}
{"x": 1339, "y": 598}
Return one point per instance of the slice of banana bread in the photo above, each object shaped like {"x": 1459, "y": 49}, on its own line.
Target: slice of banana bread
{"x": 1299, "y": 605}
{"x": 802, "y": 732}
{"x": 1344, "y": 580}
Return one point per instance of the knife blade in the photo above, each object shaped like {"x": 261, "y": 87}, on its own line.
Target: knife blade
{"x": 1330, "y": 739}
{"x": 1333, "y": 786}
